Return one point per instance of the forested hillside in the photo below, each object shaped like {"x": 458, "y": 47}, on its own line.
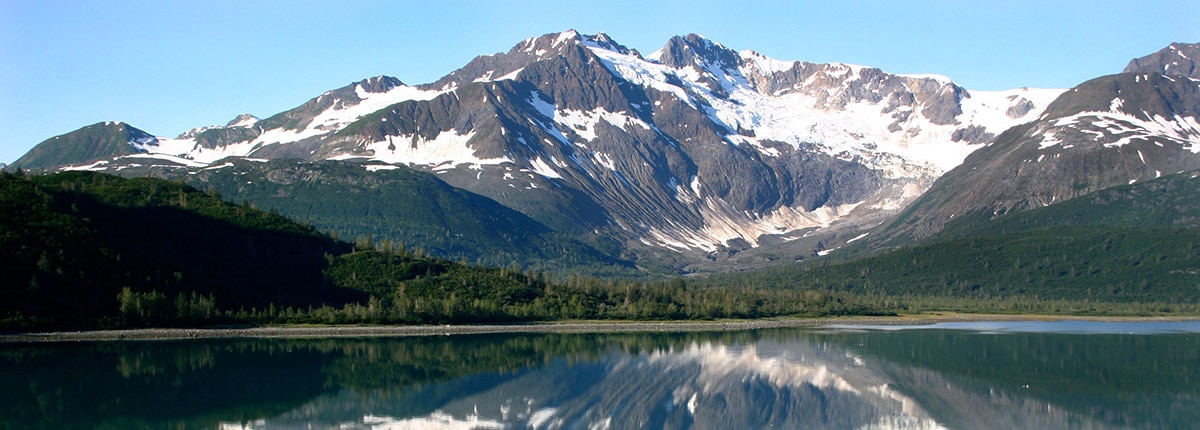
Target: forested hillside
{"x": 1128, "y": 246}
{"x": 73, "y": 241}
{"x": 88, "y": 250}
{"x": 403, "y": 205}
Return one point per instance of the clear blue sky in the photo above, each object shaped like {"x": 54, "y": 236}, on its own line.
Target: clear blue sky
{"x": 166, "y": 66}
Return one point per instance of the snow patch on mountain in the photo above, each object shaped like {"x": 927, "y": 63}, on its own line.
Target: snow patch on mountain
{"x": 542, "y": 168}
{"x": 723, "y": 224}
{"x": 98, "y": 166}
{"x": 188, "y": 149}
{"x": 244, "y": 120}
{"x": 185, "y": 162}
{"x": 583, "y": 123}
{"x": 856, "y": 131}
{"x": 447, "y": 150}
{"x": 641, "y": 72}
{"x": 860, "y": 130}
{"x": 340, "y": 115}
{"x": 550, "y": 112}
{"x": 1117, "y": 129}
{"x": 604, "y": 160}
{"x": 763, "y": 64}
{"x": 487, "y": 77}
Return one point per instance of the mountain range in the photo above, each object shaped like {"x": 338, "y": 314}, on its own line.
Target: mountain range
{"x": 572, "y": 150}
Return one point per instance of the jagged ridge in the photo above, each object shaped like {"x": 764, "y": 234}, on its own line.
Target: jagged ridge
{"x": 695, "y": 147}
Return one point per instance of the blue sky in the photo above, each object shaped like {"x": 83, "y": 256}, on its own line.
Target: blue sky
{"x": 166, "y": 66}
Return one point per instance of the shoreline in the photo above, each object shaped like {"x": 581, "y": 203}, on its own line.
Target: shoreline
{"x": 331, "y": 331}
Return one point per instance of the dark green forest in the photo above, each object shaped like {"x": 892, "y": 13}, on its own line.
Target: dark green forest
{"x": 1072, "y": 269}
{"x": 413, "y": 209}
{"x": 1132, "y": 249}
{"x": 89, "y": 250}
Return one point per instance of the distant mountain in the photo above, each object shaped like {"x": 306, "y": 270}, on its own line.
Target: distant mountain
{"x": 96, "y": 142}
{"x": 693, "y": 153}
{"x": 1109, "y": 131}
{"x": 1096, "y": 200}
{"x": 1177, "y": 59}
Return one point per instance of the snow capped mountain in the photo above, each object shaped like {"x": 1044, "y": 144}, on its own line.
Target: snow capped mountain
{"x": 695, "y": 147}
{"x": 848, "y": 110}
{"x": 1109, "y": 131}
{"x": 678, "y": 125}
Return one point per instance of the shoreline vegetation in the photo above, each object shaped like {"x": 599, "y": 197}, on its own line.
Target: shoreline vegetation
{"x": 87, "y": 251}
{"x": 332, "y": 331}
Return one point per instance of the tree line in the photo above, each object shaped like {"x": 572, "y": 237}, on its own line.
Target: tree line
{"x": 88, "y": 250}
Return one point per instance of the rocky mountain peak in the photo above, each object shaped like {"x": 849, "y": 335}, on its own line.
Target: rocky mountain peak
{"x": 602, "y": 40}
{"x": 696, "y": 50}
{"x": 1140, "y": 95}
{"x": 553, "y": 43}
{"x": 502, "y": 66}
{"x": 550, "y": 43}
{"x": 1177, "y": 59}
{"x": 379, "y": 84}
{"x": 698, "y": 147}
{"x": 243, "y": 120}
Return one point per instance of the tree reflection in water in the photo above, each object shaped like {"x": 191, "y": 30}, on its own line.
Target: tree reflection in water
{"x": 754, "y": 379}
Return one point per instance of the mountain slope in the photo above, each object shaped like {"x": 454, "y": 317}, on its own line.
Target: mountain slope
{"x": 1170, "y": 202}
{"x": 695, "y": 150}
{"x": 409, "y": 208}
{"x": 89, "y": 250}
{"x": 1109, "y": 131}
{"x": 95, "y": 142}
{"x": 657, "y": 142}
{"x": 1177, "y": 59}
{"x": 75, "y": 239}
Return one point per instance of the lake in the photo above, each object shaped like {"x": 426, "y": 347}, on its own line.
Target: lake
{"x": 1004, "y": 375}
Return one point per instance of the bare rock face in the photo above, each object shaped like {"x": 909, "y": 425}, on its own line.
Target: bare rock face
{"x": 1019, "y": 108}
{"x": 1109, "y": 131}
{"x": 655, "y": 163}
{"x": 695, "y": 149}
{"x": 1177, "y": 59}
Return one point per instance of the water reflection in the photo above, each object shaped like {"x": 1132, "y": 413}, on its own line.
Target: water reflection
{"x": 1006, "y": 376}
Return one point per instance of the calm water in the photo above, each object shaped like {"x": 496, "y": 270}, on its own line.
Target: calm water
{"x": 977, "y": 375}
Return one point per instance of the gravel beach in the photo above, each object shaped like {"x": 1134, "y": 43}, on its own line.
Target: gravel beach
{"x": 549, "y": 327}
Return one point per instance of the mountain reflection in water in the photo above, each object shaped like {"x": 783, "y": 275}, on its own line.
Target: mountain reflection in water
{"x": 987, "y": 376}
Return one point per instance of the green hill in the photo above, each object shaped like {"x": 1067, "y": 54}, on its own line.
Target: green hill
{"x": 89, "y": 250}
{"x": 95, "y": 142}
{"x": 407, "y": 207}
{"x": 1171, "y": 201}
{"x": 74, "y": 240}
{"x": 83, "y": 249}
{"x": 1137, "y": 243}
